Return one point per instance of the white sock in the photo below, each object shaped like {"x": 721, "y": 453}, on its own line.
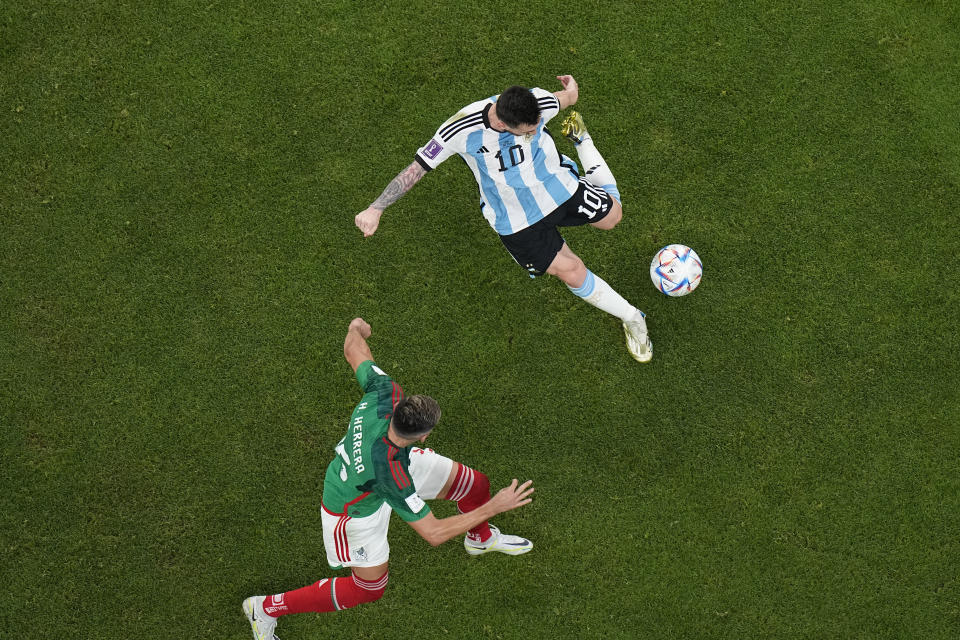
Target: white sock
{"x": 596, "y": 170}
{"x": 601, "y": 295}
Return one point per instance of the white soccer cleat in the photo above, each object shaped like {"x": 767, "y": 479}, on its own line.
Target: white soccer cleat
{"x": 261, "y": 623}
{"x": 638, "y": 341}
{"x": 511, "y": 545}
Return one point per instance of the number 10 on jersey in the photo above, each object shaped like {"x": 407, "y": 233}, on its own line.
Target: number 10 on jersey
{"x": 516, "y": 156}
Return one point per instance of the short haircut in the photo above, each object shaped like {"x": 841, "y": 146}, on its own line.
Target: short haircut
{"x": 517, "y": 106}
{"x": 415, "y": 416}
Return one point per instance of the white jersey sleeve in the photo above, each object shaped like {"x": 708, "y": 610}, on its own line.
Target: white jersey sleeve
{"x": 434, "y": 152}
{"x": 549, "y": 104}
{"x": 446, "y": 141}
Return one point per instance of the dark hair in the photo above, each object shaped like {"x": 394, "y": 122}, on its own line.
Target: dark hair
{"x": 517, "y": 106}
{"x": 415, "y": 416}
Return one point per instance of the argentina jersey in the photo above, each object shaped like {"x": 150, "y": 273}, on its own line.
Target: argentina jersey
{"x": 521, "y": 178}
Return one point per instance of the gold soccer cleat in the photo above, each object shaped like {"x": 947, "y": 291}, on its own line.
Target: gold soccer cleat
{"x": 574, "y": 128}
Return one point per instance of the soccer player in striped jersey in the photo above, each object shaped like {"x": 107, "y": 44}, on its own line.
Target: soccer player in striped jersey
{"x": 378, "y": 470}
{"x": 528, "y": 190}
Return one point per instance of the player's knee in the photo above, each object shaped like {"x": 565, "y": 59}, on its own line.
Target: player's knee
{"x": 373, "y": 596}
{"x": 574, "y": 273}
{"x": 616, "y": 214}
{"x": 569, "y": 268}
{"x": 481, "y": 484}
{"x": 364, "y": 591}
{"x": 613, "y": 218}
{"x": 471, "y": 490}
{"x": 362, "y": 597}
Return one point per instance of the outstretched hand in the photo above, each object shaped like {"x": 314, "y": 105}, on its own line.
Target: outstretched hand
{"x": 512, "y": 496}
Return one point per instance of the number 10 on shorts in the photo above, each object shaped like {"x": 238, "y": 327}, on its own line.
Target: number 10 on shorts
{"x": 593, "y": 201}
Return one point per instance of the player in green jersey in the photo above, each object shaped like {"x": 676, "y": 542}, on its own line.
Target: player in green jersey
{"x": 378, "y": 470}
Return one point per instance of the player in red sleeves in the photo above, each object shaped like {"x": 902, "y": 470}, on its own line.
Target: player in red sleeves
{"x": 377, "y": 470}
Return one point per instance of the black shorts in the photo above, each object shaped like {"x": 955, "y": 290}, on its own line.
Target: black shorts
{"x": 535, "y": 247}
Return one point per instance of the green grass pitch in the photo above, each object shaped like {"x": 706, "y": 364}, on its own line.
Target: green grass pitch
{"x": 178, "y": 266}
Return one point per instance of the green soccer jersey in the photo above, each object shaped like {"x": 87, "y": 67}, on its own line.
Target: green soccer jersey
{"x": 369, "y": 469}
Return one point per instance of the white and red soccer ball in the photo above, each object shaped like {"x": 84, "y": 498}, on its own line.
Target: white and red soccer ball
{"x": 676, "y": 270}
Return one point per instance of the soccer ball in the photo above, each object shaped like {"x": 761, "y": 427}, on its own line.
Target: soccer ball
{"x": 676, "y": 270}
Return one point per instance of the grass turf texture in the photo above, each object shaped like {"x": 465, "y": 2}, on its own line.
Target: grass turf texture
{"x": 179, "y": 266}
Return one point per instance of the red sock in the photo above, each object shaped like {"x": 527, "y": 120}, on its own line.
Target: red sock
{"x": 470, "y": 490}
{"x": 329, "y": 594}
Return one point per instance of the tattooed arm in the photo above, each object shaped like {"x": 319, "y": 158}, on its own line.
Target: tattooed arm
{"x": 368, "y": 220}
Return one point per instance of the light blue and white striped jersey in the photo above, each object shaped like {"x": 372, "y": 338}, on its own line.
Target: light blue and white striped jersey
{"x": 521, "y": 178}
